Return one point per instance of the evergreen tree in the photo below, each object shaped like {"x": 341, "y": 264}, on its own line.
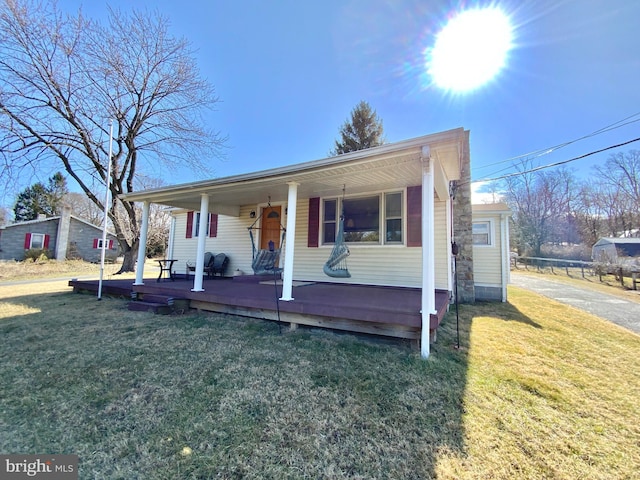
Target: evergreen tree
{"x": 363, "y": 130}
{"x": 41, "y": 199}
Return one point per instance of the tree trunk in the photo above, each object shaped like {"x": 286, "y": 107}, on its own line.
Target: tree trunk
{"x": 130, "y": 258}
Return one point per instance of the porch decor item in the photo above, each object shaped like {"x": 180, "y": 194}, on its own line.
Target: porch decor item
{"x": 265, "y": 261}
{"x": 336, "y": 266}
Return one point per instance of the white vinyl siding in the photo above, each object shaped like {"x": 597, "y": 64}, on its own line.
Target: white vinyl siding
{"x": 487, "y": 268}
{"x": 372, "y": 264}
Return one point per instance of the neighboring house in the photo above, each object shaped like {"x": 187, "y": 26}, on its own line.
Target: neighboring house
{"x": 400, "y": 219}
{"x": 623, "y": 252}
{"x": 491, "y": 255}
{"x": 64, "y": 236}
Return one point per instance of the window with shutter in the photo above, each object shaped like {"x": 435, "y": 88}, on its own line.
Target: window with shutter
{"x": 313, "y": 229}
{"x": 189, "y": 232}
{"x": 414, "y": 216}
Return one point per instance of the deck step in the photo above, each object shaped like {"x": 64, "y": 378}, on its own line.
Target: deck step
{"x": 158, "y": 308}
{"x": 154, "y": 298}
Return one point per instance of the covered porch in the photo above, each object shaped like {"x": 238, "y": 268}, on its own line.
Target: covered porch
{"x": 416, "y": 257}
{"x": 386, "y": 311}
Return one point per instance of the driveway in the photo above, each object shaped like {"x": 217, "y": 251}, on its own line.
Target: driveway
{"x": 610, "y": 307}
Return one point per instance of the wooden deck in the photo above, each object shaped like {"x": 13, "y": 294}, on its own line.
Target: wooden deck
{"x": 388, "y": 311}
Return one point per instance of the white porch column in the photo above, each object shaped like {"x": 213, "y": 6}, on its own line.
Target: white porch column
{"x": 292, "y": 206}
{"x": 202, "y": 237}
{"x": 142, "y": 244}
{"x": 428, "y": 251}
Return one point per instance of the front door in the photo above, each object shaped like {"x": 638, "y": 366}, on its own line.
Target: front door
{"x": 270, "y": 227}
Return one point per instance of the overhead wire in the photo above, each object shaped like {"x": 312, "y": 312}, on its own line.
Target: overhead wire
{"x": 556, "y": 164}
{"x": 545, "y": 151}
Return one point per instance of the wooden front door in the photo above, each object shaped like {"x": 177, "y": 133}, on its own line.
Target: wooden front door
{"x": 270, "y": 227}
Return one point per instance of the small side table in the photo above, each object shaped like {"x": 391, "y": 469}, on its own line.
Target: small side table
{"x": 166, "y": 268}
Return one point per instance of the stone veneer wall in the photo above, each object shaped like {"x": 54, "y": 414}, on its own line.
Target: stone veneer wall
{"x": 462, "y": 227}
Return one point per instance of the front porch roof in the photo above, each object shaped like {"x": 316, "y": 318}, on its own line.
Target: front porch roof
{"x": 389, "y": 166}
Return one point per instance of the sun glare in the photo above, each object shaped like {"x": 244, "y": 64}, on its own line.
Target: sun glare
{"x": 470, "y": 50}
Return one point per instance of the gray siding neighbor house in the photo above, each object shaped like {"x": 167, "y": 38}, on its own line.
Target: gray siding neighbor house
{"x": 623, "y": 252}
{"x": 65, "y": 237}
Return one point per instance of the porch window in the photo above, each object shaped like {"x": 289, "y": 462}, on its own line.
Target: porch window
{"x": 393, "y": 217}
{"x": 193, "y": 225}
{"x": 330, "y": 221}
{"x": 372, "y": 219}
{"x": 482, "y": 233}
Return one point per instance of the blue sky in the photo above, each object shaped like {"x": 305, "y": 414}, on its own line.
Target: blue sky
{"x": 289, "y": 72}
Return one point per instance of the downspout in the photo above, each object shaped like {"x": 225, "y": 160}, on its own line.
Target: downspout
{"x": 202, "y": 237}
{"x": 292, "y": 205}
{"x": 428, "y": 252}
{"x": 506, "y": 261}
{"x": 142, "y": 244}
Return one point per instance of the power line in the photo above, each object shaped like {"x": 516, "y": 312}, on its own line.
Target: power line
{"x": 545, "y": 151}
{"x": 556, "y": 164}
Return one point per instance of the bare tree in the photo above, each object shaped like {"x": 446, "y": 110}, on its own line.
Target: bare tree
{"x": 65, "y": 77}
{"x": 84, "y": 208}
{"x": 619, "y": 180}
{"x": 541, "y": 202}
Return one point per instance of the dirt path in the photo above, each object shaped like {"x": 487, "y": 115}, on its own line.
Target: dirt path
{"x": 615, "y": 309}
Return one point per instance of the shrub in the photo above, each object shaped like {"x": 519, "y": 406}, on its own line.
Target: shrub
{"x": 37, "y": 254}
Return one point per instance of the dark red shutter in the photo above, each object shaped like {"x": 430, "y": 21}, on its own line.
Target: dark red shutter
{"x": 95, "y": 243}
{"x": 414, "y": 216}
{"x": 111, "y": 244}
{"x": 213, "y": 224}
{"x": 314, "y": 222}
{"x": 46, "y": 241}
{"x": 27, "y": 241}
{"x": 189, "y": 232}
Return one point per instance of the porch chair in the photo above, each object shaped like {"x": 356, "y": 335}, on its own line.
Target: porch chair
{"x": 218, "y": 264}
{"x": 191, "y": 264}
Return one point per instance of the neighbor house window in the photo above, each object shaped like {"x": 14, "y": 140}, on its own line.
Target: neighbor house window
{"x": 373, "y": 219}
{"x": 97, "y": 243}
{"x": 37, "y": 240}
{"x": 482, "y": 233}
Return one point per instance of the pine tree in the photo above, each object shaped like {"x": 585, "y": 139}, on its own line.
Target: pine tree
{"x": 41, "y": 199}
{"x": 363, "y": 130}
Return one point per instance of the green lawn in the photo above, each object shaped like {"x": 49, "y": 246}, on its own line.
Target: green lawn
{"x": 538, "y": 390}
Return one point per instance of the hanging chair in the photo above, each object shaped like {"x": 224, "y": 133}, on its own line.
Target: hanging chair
{"x": 336, "y": 266}
{"x": 265, "y": 261}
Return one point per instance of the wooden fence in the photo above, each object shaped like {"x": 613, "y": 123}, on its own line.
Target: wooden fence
{"x": 592, "y": 268}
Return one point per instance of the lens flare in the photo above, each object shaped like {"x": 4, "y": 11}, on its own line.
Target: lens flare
{"x": 470, "y": 50}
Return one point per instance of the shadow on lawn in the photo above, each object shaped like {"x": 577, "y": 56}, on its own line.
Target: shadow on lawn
{"x": 505, "y": 311}
{"x": 309, "y": 401}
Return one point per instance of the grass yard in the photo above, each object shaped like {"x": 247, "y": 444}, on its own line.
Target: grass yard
{"x": 539, "y": 390}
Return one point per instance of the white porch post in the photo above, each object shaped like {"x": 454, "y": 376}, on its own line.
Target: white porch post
{"x": 202, "y": 237}
{"x": 142, "y": 244}
{"x": 428, "y": 251}
{"x": 292, "y": 205}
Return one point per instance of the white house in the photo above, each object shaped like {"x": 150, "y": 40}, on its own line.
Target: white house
{"x": 399, "y": 219}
